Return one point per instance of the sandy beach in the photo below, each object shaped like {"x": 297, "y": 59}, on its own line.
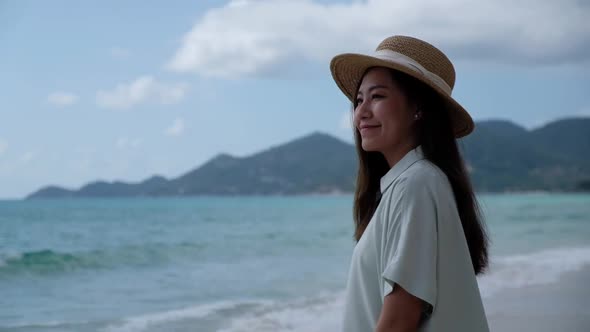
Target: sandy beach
{"x": 561, "y": 306}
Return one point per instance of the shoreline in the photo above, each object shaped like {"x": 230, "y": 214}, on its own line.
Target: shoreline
{"x": 335, "y": 193}
{"x": 559, "y": 306}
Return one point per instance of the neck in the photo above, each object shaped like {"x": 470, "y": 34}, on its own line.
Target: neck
{"x": 394, "y": 155}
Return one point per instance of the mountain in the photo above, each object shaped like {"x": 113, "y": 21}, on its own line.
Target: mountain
{"x": 569, "y": 138}
{"x": 301, "y": 166}
{"x": 105, "y": 189}
{"x": 53, "y": 192}
{"x": 500, "y": 155}
{"x": 305, "y": 165}
{"x": 502, "y": 128}
{"x": 505, "y": 157}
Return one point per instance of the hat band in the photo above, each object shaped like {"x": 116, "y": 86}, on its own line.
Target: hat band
{"x": 406, "y": 61}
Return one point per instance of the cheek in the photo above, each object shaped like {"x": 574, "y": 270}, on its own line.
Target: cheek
{"x": 388, "y": 115}
{"x": 354, "y": 118}
{"x": 396, "y": 123}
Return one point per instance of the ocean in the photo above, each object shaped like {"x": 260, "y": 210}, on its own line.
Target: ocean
{"x": 232, "y": 264}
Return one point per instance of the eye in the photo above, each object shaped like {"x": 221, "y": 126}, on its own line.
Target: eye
{"x": 358, "y": 101}
{"x": 377, "y": 96}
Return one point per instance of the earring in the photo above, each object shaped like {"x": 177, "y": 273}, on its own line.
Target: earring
{"x": 417, "y": 116}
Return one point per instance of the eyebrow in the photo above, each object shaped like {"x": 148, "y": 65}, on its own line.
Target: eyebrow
{"x": 373, "y": 88}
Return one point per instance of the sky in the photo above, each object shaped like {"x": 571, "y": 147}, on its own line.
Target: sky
{"x": 123, "y": 90}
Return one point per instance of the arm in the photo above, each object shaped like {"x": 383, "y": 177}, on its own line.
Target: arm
{"x": 410, "y": 255}
{"x": 401, "y": 312}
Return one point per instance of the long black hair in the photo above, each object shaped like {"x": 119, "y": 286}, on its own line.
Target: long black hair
{"x": 435, "y": 135}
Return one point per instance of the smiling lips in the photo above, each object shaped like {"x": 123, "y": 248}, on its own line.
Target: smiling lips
{"x": 366, "y": 128}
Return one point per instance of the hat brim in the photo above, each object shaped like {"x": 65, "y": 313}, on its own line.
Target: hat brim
{"x": 348, "y": 69}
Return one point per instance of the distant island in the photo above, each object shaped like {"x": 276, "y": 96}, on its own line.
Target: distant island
{"x": 501, "y": 156}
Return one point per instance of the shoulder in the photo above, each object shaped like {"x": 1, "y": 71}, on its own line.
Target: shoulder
{"x": 423, "y": 177}
{"x": 416, "y": 196}
{"x": 421, "y": 185}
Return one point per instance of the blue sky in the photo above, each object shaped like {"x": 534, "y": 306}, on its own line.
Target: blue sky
{"x": 122, "y": 90}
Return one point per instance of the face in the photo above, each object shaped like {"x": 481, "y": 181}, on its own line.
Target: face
{"x": 383, "y": 115}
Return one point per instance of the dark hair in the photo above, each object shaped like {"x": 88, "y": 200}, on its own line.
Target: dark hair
{"x": 435, "y": 135}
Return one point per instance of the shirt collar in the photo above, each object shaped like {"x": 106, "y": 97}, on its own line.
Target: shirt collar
{"x": 410, "y": 158}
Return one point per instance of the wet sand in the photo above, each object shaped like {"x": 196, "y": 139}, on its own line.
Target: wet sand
{"x": 562, "y": 306}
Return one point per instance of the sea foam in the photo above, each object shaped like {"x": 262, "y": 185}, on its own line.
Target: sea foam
{"x": 323, "y": 312}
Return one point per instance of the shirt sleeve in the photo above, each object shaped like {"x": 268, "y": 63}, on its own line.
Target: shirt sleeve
{"x": 410, "y": 241}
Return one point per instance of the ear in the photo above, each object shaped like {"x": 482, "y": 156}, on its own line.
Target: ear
{"x": 418, "y": 107}
{"x": 418, "y": 113}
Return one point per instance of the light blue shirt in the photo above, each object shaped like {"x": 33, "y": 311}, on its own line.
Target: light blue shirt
{"x": 415, "y": 240}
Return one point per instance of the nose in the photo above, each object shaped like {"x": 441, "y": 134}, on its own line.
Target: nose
{"x": 360, "y": 112}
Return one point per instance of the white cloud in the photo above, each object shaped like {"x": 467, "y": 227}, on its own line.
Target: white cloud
{"x": 128, "y": 143}
{"x": 142, "y": 90}
{"x": 62, "y": 98}
{"x": 119, "y": 53}
{"x": 176, "y": 129}
{"x": 346, "y": 121}
{"x": 252, "y": 37}
{"x": 3, "y": 146}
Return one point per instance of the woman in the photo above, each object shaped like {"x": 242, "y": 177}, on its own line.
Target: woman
{"x": 421, "y": 240}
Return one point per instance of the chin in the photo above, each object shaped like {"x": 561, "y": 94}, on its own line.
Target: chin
{"x": 369, "y": 146}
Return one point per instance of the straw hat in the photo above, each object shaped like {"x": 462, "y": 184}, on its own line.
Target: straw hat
{"x": 414, "y": 57}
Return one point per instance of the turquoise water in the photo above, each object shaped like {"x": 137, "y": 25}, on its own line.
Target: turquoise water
{"x": 233, "y": 264}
